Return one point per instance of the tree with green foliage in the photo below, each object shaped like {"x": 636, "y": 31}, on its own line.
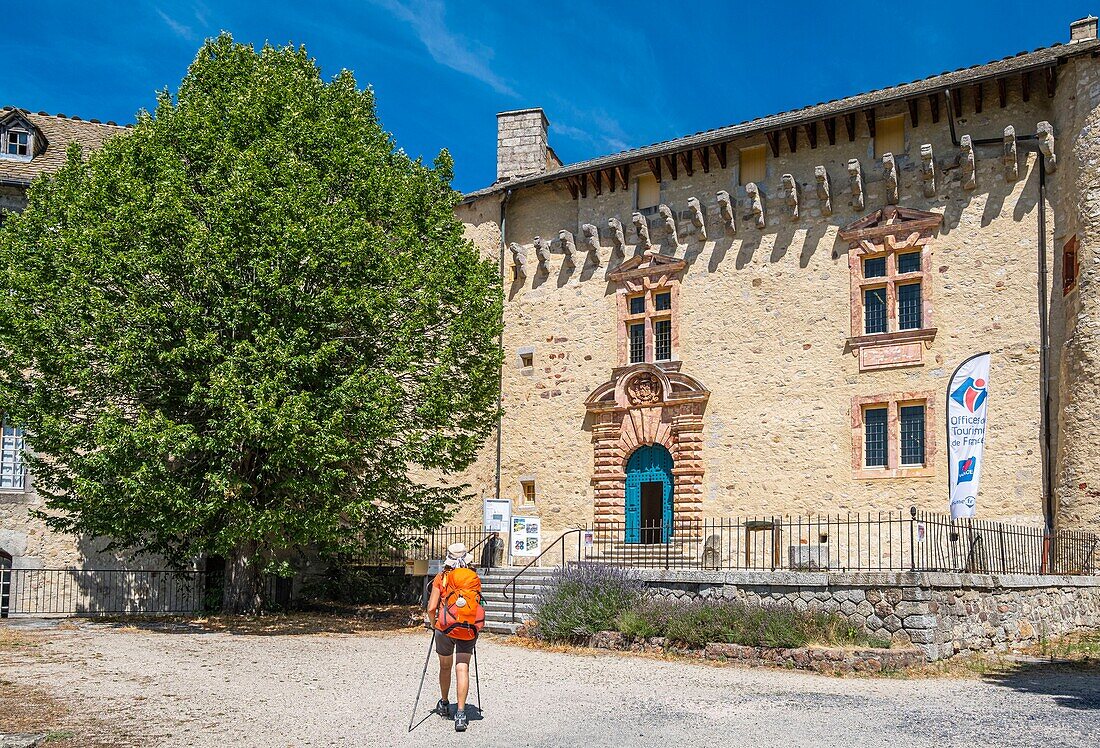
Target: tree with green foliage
{"x": 247, "y": 325}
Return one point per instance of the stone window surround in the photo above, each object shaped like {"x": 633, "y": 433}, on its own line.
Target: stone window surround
{"x": 896, "y": 231}
{"x": 527, "y": 350}
{"x": 522, "y": 481}
{"x": 893, "y": 403}
{"x": 1071, "y": 266}
{"x": 650, "y": 286}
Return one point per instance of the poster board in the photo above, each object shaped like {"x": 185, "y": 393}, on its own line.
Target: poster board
{"x": 526, "y": 537}
{"x": 497, "y": 515}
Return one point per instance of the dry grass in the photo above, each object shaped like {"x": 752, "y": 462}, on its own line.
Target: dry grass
{"x": 30, "y": 709}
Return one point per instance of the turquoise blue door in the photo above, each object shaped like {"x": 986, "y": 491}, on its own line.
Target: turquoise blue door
{"x": 648, "y": 465}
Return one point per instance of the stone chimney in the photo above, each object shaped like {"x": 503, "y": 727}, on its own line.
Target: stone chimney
{"x": 522, "y": 145}
{"x": 1083, "y": 29}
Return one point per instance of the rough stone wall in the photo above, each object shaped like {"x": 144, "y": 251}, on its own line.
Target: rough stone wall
{"x": 33, "y": 546}
{"x": 940, "y": 614}
{"x": 12, "y": 199}
{"x": 1076, "y": 317}
{"x": 764, "y": 320}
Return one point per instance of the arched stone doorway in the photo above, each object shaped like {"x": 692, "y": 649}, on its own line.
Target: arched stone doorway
{"x": 648, "y": 498}
{"x": 642, "y": 406}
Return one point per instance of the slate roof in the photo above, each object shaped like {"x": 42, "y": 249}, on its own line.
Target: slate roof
{"x": 59, "y": 131}
{"x": 1044, "y": 57}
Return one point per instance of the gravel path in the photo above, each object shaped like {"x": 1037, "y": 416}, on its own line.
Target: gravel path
{"x": 232, "y": 690}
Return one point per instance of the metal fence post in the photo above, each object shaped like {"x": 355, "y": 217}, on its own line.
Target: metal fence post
{"x": 912, "y": 538}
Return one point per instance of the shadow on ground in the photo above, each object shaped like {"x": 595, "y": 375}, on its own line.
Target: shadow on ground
{"x": 363, "y": 620}
{"x": 1074, "y": 685}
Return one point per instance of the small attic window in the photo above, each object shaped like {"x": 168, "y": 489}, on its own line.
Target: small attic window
{"x": 648, "y": 194}
{"x": 17, "y": 143}
{"x": 889, "y": 135}
{"x": 753, "y": 164}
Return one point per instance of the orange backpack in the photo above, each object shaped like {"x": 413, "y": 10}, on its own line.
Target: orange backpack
{"x": 461, "y": 615}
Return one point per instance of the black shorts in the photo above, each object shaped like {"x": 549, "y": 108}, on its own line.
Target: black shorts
{"x": 445, "y": 646}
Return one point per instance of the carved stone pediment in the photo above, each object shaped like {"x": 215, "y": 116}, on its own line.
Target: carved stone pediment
{"x": 892, "y": 220}
{"x": 641, "y": 266}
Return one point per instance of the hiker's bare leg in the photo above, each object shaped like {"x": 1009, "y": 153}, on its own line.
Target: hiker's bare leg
{"x": 462, "y": 675}
{"x": 445, "y": 676}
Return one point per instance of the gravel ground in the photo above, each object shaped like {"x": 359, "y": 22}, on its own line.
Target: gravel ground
{"x": 175, "y": 687}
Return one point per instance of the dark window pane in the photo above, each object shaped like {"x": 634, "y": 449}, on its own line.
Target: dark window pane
{"x": 912, "y": 435}
{"x": 874, "y": 267}
{"x": 663, "y": 301}
{"x": 874, "y": 310}
{"x": 874, "y": 437}
{"x": 909, "y": 262}
{"x": 909, "y": 307}
{"x": 637, "y": 343}
{"x": 662, "y": 340}
{"x": 637, "y": 305}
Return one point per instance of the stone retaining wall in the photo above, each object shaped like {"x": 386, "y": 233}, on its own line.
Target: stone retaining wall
{"x": 835, "y": 661}
{"x": 942, "y": 614}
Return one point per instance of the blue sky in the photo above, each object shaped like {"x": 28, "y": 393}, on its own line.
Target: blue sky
{"x": 609, "y": 75}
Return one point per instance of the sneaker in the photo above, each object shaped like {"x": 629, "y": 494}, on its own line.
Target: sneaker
{"x": 443, "y": 709}
{"x": 460, "y": 721}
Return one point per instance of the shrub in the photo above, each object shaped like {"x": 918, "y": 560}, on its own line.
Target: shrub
{"x": 700, "y": 622}
{"x": 583, "y": 600}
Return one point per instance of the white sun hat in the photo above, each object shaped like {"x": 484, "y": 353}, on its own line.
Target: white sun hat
{"x": 458, "y": 555}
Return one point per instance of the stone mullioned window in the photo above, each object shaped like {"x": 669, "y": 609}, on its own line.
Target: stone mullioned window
{"x": 893, "y": 436}
{"x": 890, "y": 265}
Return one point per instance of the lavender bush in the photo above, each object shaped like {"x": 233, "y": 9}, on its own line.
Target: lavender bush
{"x": 583, "y": 600}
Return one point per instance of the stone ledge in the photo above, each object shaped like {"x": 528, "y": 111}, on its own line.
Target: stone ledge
{"x": 924, "y": 579}
{"x": 833, "y": 660}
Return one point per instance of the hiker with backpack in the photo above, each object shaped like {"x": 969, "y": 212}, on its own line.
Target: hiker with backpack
{"x": 456, "y": 616}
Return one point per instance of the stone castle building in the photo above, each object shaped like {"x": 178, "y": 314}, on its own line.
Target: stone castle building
{"x": 762, "y": 319}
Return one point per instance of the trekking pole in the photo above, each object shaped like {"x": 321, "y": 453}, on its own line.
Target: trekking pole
{"x": 431, "y": 646}
{"x": 477, "y": 678}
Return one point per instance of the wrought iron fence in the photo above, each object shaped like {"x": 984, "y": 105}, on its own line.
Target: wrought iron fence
{"x": 866, "y": 541}
{"x": 98, "y": 592}
{"x": 420, "y": 546}
{"x": 863, "y": 542}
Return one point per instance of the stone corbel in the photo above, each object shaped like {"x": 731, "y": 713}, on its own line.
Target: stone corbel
{"x": 569, "y": 247}
{"x": 542, "y": 253}
{"x": 824, "y": 190}
{"x": 592, "y": 242}
{"x": 790, "y": 193}
{"x": 697, "y": 218}
{"x": 725, "y": 209}
{"x": 968, "y": 163}
{"x": 618, "y": 236}
{"x": 890, "y": 177}
{"x": 1045, "y": 133}
{"x": 757, "y": 203}
{"x": 641, "y": 227}
{"x": 1012, "y": 164}
{"x": 928, "y": 170}
{"x": 519, "y": 260}
{"x": 670, "y": 224}
{"x": 855, "y": 180}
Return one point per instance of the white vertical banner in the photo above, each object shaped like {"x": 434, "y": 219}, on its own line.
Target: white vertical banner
{"x": 967, "y": 399}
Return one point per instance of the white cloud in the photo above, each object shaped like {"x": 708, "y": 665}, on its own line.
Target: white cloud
{"x": 181, "y": 30}
{"x": 447, "y": 48}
